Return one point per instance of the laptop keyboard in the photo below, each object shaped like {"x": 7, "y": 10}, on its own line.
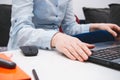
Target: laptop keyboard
{"x": 108, "y": 53}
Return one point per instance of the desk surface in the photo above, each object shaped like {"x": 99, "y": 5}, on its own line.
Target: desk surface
{"x": 50, "y": 65}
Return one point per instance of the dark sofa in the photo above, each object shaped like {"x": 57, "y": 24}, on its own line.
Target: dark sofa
{"x": 5, "y": 16}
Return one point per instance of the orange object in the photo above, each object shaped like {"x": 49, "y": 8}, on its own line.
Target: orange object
{"x": 12, "y": 74}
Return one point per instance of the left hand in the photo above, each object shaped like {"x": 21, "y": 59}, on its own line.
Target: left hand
{"x": 112, "y": 28}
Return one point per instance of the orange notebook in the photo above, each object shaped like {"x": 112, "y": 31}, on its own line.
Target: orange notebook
{"x": 12, "y": 74}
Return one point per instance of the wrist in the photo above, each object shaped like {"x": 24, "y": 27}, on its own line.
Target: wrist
{"x": 93, "y": 26}
{"x": 54, "y": 39}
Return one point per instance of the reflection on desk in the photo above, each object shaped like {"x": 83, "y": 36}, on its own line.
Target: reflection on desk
{"x": 50, "y": 65}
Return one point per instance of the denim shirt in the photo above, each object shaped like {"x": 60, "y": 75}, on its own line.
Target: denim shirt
{"x": 35, "y": 22}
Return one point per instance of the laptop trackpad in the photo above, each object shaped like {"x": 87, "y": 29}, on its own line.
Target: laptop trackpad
{"x": 116, "y": 61}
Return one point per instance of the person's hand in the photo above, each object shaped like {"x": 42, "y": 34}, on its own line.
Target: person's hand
{"x": 118, "y": 37}
{"x": 112, "y": 28}
{"x": 72, "y": 47}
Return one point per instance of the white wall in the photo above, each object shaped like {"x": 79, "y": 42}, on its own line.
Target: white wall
{"x": 5, "y": 1}
{"x": 78, "y": 4}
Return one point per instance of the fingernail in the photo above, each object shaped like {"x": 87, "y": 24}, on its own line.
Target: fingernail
{"x": 90, "y": 53}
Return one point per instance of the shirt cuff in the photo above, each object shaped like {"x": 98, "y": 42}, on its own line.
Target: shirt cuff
{"x": 47, "y": 42}
{"x": 86, "y": 28}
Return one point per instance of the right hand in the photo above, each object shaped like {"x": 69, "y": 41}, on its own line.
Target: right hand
{"x": 72, "y": 47}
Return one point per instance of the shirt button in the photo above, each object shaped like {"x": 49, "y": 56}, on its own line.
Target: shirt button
{"x": 56, "y": 5}
{"x": 15, "y": 21}
{"x": 56, "y": 15}
{"x": 53, "y": 26}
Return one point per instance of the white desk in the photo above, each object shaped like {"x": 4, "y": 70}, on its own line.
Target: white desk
{"x": 50, "y": 65}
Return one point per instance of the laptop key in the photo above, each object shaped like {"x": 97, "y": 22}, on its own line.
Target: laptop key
{"x": 108, "y": 53}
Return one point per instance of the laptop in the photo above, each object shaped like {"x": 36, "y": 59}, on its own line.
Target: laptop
{"x": 106, "y": 54}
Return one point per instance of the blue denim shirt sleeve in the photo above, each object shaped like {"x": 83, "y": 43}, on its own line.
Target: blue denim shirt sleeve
{"x": 32, "y": 26}
{"x": 69, "y": 24}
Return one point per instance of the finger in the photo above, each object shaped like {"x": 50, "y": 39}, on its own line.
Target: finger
{"x": 83, "y": 50}
{"x": 72, "y": 50}
{"x": 84, "y": 46}
{"x": 90, "y": 46}
{"x": 67, "y": 53}
{"x": 117, "y": 30}
{"x": 116, "y": 27}
{"x": 83, "y": 54}
{"x": 112, "y": 32}
{"x": 80, "y": 51}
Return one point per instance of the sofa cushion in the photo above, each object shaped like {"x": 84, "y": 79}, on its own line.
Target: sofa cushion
{"x": 5, "y": 16}
{"x": 96, "y": 15}
{"x": 115, "y": 13}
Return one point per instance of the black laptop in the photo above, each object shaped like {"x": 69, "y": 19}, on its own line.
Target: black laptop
{"x": 107, "y": 54}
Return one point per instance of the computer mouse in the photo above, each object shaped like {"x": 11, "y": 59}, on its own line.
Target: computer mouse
{"x": 29, "y": 50}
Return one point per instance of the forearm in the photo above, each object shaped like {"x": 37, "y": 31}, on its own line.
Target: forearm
{"x": 30, "y": 36}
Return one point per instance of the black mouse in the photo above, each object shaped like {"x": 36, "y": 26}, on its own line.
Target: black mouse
{"x": 29, "y": 50}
